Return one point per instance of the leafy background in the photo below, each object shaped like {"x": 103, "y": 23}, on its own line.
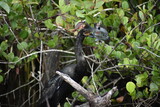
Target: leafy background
{"x": 32, "y": 29}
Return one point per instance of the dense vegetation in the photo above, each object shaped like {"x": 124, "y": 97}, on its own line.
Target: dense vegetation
{"x": 29, "y": 29}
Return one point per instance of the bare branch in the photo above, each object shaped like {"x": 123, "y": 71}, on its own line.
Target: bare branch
{"x": 74, "y": 84}
{"x": 34, "y": 53}
{"x": 94, "y": 100}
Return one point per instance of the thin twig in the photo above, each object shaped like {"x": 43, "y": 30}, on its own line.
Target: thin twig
{"x": 34, "y": 53}
{"x": 17, "y": 88}
{"x": 151, "y": 26}
{"x": 117, "y": 66}
{"x": 149, "y": 51}
{"x": 108, "y": 9}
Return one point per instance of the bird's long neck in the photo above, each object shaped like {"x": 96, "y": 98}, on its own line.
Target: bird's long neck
{"x": 78, "y": 49}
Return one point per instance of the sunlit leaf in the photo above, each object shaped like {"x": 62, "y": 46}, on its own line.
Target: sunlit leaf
{"x": 79, "y": 13}
{"x": 120, "y": 12}
{"x": 141, "y": 15}
{"x": 85, "y": 80}
{"x": 48, "y": 23}
{"x": 5, "y": 6}
{"x": 22, "y": 45}
{"x": 61, "y": 2}
{"x": 153, "y": 87}
{"x": 4, "y": 46}
{"x": 125, "y": 20}
{"x": 130, "y": 86}
{"x": 125, "y": 5}
{"x": 99, "y": 3}
{"x": 108, "y": 49}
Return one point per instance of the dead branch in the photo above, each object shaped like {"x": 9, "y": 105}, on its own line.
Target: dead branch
{"x": 93, "y": 100}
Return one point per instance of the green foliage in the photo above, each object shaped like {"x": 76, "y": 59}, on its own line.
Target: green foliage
{"x": 134, "y": 49}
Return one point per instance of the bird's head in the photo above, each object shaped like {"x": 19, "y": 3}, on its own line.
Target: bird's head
{"x": 100, "y": 33}
{"x": 88, "y": 30}
{"x": 85, "y": 29}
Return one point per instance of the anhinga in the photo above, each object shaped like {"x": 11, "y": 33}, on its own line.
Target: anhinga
{"x": 57, "y": 89}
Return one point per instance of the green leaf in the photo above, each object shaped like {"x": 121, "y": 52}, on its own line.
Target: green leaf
{"x": 59, "y": 21}
{"x": 5, "y": 6}
{"x": 130, "y": 86}
{"x": 87, "y": 4}
{"x": 15, "y": 1}
{"x": 99, "y": 3}
{"x": 142, "y": 79}
{"x": 22, "y": 45}
{"x": 120, "y": 12}
{"x": 89, "y": 41}
{"x": 23, "y": 34}
{"x": 158, "y": 45}
{"x": 65, "y": 8}
{"x": 156, "y": 79}
{"x": 10, "y": 56}
{"x": 139, "y": 94}
{"x": 0, "y": 70}
{"x": 66, "y": 104}
{"x": 30, "y": 2}
{"x": 89, "y": 19}
{"x": 92, "y": 12}
{"x": 97, "y": 55}
{"x": 48, "y": 23}
{"x": 31, "y": 58}
{"x": 126, "y": 61}
{"x": 85, "y": 80}
{"x": 146, "y": 92}
{"x": 108, "y": 49}
{"x": 125, "y": 20}
{"x": 61, "y": 3}
{"x": 119, "y": 54}
{"x": 4, "y": 45}
{"x": 141, "y": 15}
{"x": 125, "y": 5}
{"x": 153, "y": 87}
{"x": 53, "y": 42}
{"x": 1, "y": 78}
{"x": 11, "y": 66}
{"x": 79, "y": 13}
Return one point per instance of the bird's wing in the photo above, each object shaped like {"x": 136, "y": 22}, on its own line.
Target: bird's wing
{"x": 56, "y": 82}
{"x": 51, "y": 88}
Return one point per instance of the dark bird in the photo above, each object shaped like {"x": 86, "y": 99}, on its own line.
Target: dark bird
{"x": 56, "y": 90}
